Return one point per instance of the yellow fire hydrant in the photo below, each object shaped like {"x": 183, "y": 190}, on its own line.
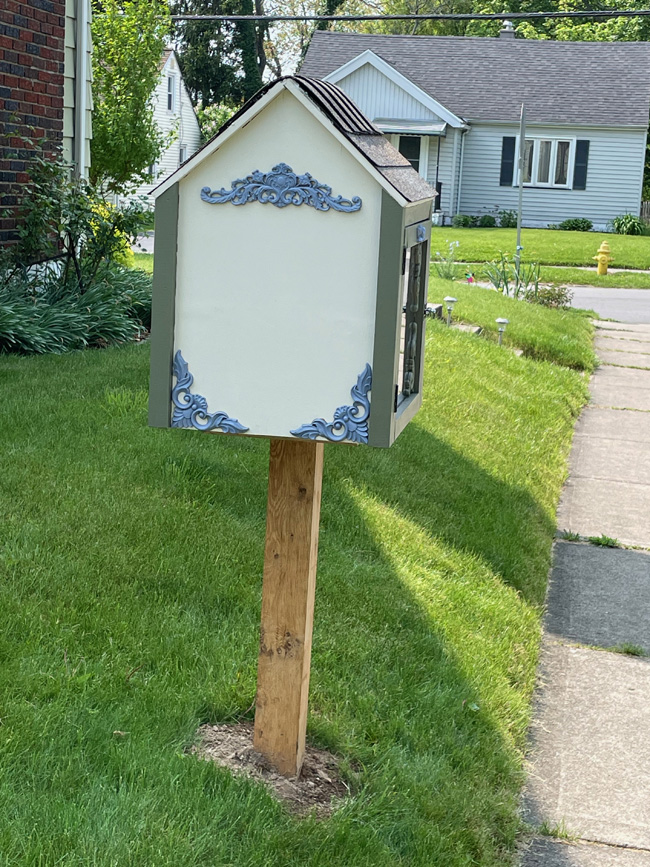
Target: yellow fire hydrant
{"x": 603, "y": 257}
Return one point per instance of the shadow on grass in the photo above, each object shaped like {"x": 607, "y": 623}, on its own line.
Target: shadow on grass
{"x": 387, "y": 687}
{"x": 440, "y": 779}
{"x": 455, "y": 500}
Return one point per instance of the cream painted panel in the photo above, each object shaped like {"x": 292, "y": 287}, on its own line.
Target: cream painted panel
{"x": 275, "y": 307}
{"x": 378, "y": 96}
{"x": 614, "y": 176}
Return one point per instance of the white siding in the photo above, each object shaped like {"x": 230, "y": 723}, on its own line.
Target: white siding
{"x": 69, "y": 75}
{"x": 181, "y": 122}
{"x": 614, "y": 176}
{"x": 377, "y": 96}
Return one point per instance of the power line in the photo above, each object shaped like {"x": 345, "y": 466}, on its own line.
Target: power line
{"x": 462, "y": 16}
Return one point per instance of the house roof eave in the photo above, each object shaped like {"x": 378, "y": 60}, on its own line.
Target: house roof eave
{"x": 413, "y": 90}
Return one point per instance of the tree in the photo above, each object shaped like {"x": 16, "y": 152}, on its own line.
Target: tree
{"x": 129, "y": 38}
{"x": 288, "y": 40}
{"x": 222, "y": 62}
{"x": 408, "y": 7}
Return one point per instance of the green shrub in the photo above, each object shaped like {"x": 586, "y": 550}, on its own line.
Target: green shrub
{"x": 508, "y": 219}
{"x": 557, "y": 297}
{"x": 487, "y": 221}
{"x": 628, "y": 224}
{"x": 115, "y": 309}
{"x": 575, "y": 224}
{"x": 464, "y": 221}
{"x": 63, "y": 284}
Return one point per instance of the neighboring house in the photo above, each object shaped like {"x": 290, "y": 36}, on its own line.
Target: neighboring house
{"x": 77, "y": 86}
{"x": 44, "y": 90}
{"x": 175, "y": 116}
{"x": 452, "y": 105}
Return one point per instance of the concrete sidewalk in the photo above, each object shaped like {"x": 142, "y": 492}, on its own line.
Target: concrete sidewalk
{"x": 625, "y": 305}
{"x": 589, "y": 760}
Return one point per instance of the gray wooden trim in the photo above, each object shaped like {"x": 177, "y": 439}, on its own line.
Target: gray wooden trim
{"x": 426, "y": 255}
{"x": 388, "y": 320}
{"x": 407, "y": 410}
{"x": 418, "y": 212}
{"x": 163, "y": 308}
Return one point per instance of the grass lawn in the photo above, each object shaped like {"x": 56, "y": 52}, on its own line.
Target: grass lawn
{"x": 130, "y": 581}
{"x": 564, "y": 336}
{"x": 618, "y": 280}
{"x": 144, "y": 261}
{"x": 546, "y": 246}
{"x": 566, "y": 275}
{"x": 549, "y": 274}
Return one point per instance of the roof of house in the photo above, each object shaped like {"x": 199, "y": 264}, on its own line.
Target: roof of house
{"x": 354, "y": 125}
{"x": 167, "y": 53}
{"x": 485, "y": 78}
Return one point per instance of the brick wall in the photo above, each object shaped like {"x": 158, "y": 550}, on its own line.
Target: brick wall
{"x": 32, "y": 57}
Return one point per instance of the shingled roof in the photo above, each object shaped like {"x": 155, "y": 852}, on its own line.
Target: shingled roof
{"x": 350, "y": 121}
{"x": 484, "y": 78}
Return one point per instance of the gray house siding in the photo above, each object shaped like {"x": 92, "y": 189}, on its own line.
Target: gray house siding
{"x": 614, "y": 175}
{"x": 378, "y": 97}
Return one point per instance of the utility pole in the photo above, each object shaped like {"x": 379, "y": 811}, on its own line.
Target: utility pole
{"x": 522, "y": 149}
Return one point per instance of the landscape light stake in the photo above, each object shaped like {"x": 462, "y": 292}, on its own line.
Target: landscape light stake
{"x": 502, "y": 327}
{"x": 449, "y": 301}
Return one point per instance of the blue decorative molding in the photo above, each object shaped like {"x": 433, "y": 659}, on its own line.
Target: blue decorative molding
{"x": 191, "y": 410}
{"x": 281, "y": 187}
{"x": 350, "y": 422}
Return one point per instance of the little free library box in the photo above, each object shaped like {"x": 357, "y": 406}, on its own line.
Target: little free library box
{"x": 286, "y": 251}
{"x": 290, "y": 283}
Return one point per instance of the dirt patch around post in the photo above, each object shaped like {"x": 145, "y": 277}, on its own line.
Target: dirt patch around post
{"x": 319, "y": 789}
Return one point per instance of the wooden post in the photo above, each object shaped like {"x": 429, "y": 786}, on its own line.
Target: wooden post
{"x": 291, "y": 552}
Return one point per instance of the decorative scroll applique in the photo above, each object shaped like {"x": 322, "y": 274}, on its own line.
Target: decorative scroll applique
{"x": 191, "y": 410}
{"x": 281, "y": 187}
{"x": 350, "y": 422}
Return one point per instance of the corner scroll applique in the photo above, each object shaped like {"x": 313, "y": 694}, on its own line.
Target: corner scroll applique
{"x": 281, "y": 187}
{"x": 191, "y": 410}
{"x": 350, "y": 422}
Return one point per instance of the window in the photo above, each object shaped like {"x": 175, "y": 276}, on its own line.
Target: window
{"x": 562, "y": 163}
{"x": 171, "y": 92}
{"x": 409, "y": 147}
{"x": 544, "y": 164}
{"x": 547, "y": 162}
{"x": 416, "y": 150}
{"x": 182, "y": 154}
{"x": 529, "y": 153}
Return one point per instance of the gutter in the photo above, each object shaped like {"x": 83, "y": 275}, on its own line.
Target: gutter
{"x": 460, "y": 170}
{"x": 454, "y": 166}
{"x": 81, "y": 87}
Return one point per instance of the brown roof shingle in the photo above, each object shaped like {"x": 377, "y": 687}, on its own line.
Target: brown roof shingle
{"x": 485, "y": 78}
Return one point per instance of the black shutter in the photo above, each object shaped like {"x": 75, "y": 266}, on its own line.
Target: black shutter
{"x": 580, "y": 167}
{"x": 507, "y": 160}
